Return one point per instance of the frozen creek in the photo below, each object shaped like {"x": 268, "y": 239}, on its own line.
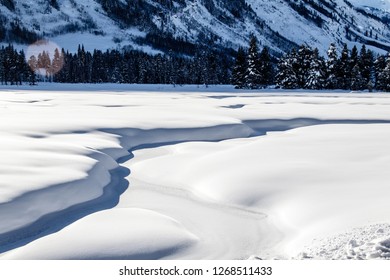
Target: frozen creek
{"x": 209, "y": 176}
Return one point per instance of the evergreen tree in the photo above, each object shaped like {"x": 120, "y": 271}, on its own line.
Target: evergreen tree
{"x": 98, "y": 71}
{"x": 383, "y": 82}
{"x": 33, "y": 66}
{"x": 379, "y": 66}
{"x": 239, "y": 70}
{"x": 266, "y": 68}
{"x": 22, "y": 68}
{"x": 81, "y": 69}
{"x": 173, "y": 73}
{"x": 212, "y": 68}
{"x": 354, "y": 58}
{"x": 343, "y": 70}
{"x": 203, "y": 68}
{"x": 57, "y": 62}
{"x": 253, "y": 73}
{"x": 116, "y": 76}
{"x": 331, "y": 68}
{"x": 286, "y": 77}
{"x": 65, "y": 75}
{"x": 2, "y": 71}
{"x": 366, "y": 66}
{"x": 357, "y": 82}
{"x": 44, "y": 65}
{"x": 316, "y": 76}
{"x": 302, "y": 64}
{"x": 142, "y": 78}
{"x": 7, "y": 63}
{"x": 12, "y": 60}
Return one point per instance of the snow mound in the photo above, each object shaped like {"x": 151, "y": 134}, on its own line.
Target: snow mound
{"x": 364, "y": 243}
{"x": 112, "y": 234}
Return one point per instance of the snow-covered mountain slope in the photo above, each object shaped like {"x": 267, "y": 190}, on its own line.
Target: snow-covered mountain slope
{"x": 182, "y": 24}
{"x": 377, "y": 4}
{"x": 376, "y": 8}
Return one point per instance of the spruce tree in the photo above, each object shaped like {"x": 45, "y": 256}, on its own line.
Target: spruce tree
{"x": 57, "y": 62}
{"x": 366, "y": 66}
{"x": 173, "y": 69}
{"x": 99, "y": 72}
{"x": 354, "y": 58}
{"x": 12, "y": 57}
{"x": 2, "y": 71}
{"x": 301, "y": 65}
{"x": 7, "y": 63}
{"x": 316, "y": 76}
{"x": 239, "y": 69}
{"x": 331, "y": 68}
{"x": 21, "y": 67}
{"x": 343, "y": 70}
{"x": 266, "y": 69}
{"x": 357, "y": 82}
{"x": 212, "y": 68}
{"x": 33, "y": 66}
{"x": 286, "y": 77}
{"x": 253, "y": 73}
{"x": 44, "y": 65}
{"x": 384, "y": 76}
{"x": 81, "y": 63}
{"x": 356, "y": 79}
{"x": 379, "y": 65}
{"x": 204, "y": 68}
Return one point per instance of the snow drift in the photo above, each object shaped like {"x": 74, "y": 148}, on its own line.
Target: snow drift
{"x": 186, "y": 175}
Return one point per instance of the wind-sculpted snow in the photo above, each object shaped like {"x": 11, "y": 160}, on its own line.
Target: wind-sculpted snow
{"x": 186, "y": 175}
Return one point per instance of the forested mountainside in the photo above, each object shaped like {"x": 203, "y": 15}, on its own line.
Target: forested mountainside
{"x": 182, "y": 26}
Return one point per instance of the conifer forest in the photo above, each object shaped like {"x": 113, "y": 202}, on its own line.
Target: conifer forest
{"x": 252, "y": 68}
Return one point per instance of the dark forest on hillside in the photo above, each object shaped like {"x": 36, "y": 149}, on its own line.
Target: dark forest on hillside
{"x": 303, "y": 68}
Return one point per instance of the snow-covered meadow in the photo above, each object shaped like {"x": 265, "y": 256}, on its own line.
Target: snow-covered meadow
{"x": 156, "y": 172}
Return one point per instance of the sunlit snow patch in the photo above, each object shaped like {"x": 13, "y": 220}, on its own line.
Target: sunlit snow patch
{"x": 370, "y": 242}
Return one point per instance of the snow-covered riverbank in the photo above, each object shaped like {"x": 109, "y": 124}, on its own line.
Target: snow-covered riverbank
{"x": 210, "y": 175}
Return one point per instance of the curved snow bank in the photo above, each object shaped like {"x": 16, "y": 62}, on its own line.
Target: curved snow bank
{"x": 34, "y": 211}
{"x": 267, "y": 196}
{"x": 114, "y": 234}
{"x": 262, "y": 196}
{"x": 311, "y": 182}
{"x": 58, "y": 177}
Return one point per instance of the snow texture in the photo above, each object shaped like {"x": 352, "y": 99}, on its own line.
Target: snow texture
{"x": 157, "y": 172}
{"x": 370, "y": 242}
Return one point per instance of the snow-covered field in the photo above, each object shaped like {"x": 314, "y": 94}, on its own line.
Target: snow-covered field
{"x": 155, "y": 172}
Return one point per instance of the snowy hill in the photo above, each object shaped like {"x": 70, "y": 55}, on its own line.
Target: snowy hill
{"x": 161, "y": 25}
{"x": 377, "y": 4}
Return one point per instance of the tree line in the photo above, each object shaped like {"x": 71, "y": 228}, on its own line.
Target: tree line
{"x": 305, "y": 68}
{"x": 13, "y": 66}
{"x": 352, "y": 70}
{"x": 206, "y": 67}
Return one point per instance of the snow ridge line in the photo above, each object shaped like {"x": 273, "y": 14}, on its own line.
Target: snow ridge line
{"x": 51, "y": 222}
{"x": 131, "y": 140}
